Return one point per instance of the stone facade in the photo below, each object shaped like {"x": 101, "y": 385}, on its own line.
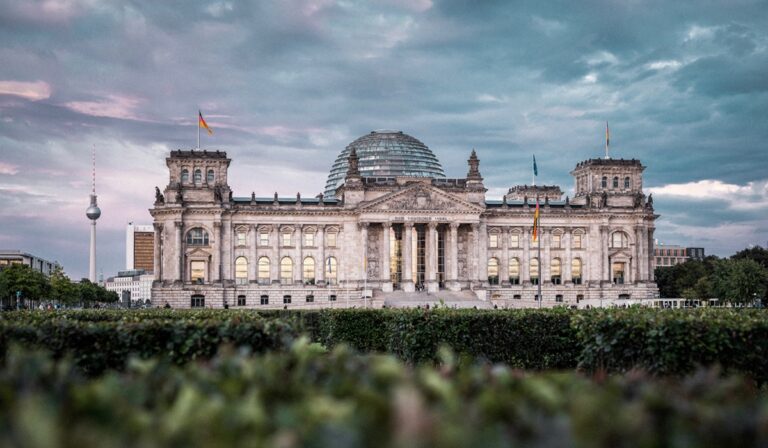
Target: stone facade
{"x": 406, "y": 233}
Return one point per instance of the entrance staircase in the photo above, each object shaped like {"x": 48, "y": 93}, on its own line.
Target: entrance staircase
{"x": 450, "y": 299}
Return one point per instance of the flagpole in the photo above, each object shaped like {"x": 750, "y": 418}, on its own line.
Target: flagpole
{"x": 541, "y": 265}
{"x": 607, "y": 140}
{"x": 198, "y": 130}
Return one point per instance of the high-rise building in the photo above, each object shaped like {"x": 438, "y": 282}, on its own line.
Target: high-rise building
{"x": 139, "y": 247}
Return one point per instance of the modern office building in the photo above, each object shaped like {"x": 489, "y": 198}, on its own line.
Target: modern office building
{"x": 132, "y": 285}
{"x": 139, "y": 247}
{"x": 403, "y": 229}
{"x": 8, "y": 257}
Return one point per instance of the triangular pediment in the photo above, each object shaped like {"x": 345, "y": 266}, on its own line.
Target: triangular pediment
{"x": 198, "y": 252}
{"x": 421, "y": 198}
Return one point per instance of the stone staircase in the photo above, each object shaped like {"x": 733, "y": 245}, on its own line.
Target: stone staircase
{"x": 450, "y": 299}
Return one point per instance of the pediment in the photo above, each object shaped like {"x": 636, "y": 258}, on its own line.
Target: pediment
{"x": 620, "y": 253}
{"x": 421, "y": 198}
{"x": 198, "y": 252}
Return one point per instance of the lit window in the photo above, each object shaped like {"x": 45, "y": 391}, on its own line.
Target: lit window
{"x": 198, "y": 177}
{"x": 534, "y": 270}
{"x": 241, "y": 235}
{"x": 241, "y": 271}
{"x": 576, "y": 241}
{"x": 555, "y": 271}
{"x": 514, "y": 240}
{"x": 263, "y": 271}
{"x": 627, "y": 183}
{"x": 616, "y": 182}
{"x": 309, "y": 271}
{"x": 514, "y": 271}
{"x": 493, "y": 240}
{"x": 184, "y": 176}
{"x": 604, "y": 182}
{"x": 556, "y": 241}
{"x": 331, "y": 271}
{"x": 209, "y": 177}
{"x": 197, "y": 237}
{"x": 493, "y": 271}
{"x": 309, "y": 239}
{"x": 618, "y": 273}
{"x": 286, "y": 270}
{"x": 576, "y": 271}
{"x": 264, "y": 239}
{"x": 619, "y": 240}
{"x": 286, "y": 239}
{"x": 330, "y": 239}
{"x": 197, "y": 271}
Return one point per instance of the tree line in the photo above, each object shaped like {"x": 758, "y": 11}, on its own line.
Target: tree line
{"x": 20, "y": 284}
{"x": 740, "y": 279}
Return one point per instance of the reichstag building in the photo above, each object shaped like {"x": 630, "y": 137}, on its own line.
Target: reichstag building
{"x": 390, "y": 226}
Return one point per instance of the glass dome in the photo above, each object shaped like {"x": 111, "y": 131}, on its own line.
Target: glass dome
{"x": 385, "y": 154}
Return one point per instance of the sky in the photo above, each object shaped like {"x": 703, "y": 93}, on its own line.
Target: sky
{"x": 286, "y": 85}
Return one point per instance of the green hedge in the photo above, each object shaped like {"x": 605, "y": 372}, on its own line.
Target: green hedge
{"x": 307, "y": 397}
{"x": 617, "y": 340}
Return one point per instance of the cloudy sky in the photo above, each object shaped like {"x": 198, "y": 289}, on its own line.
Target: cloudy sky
{"x": 287, "y": 84}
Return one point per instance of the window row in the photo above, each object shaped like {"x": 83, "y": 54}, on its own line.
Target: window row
{"x": 555, "y": 241}
{"x": 286, "y": 270}
{"x": 514, "y": 272}
{"x": 210, "y": 176}
{"x": 615, "y": 184}
{"x": 199, "y": 237}
{"x": 198, "y": 300}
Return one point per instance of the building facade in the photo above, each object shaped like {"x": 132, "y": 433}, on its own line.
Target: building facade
{"x": 400, "y": 234}
{"x": 667, "y": 255}
{"x": 8, "y": 257}
{"x": 139, "y": 247}
{"x": 133, "y": 286}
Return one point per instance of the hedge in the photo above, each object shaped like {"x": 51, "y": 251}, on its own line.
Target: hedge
{"x": 616, "y": 340}
{"x": 308, "y": 397}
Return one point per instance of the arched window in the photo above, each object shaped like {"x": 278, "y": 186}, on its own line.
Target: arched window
{"x": 619, "y": 240}
{"x": 331, "y": 271}
{"x": 286, "y": 270}
{"x": 184, "y": 176}
{"x": 576, "y": 271}
{"x": 555, "y": 271}
{"x": 514, "y": 271}
{"x": 210, "y": 177}
{"x": 616, "y": 182}
{"x": 241, "y": 271}
{"x": 197, "y": 237}
{"x": 493, "y": 271}
{"x": 263, "y": 271}
{"x": 198, "y": 177}
{"x": 604, "y": 182}
{"x": 309, "y": 271}
{"x": 627, "y": 183}
{"x": 534, "y": 270}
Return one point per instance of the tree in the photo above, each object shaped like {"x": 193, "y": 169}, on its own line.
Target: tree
{"x": 739, "y": 281}
{"x": 62, "y": 288}
{"x": 20, "y": 278}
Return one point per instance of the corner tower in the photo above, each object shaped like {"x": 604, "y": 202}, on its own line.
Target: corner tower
{"x": 609, "y": 183}
{"x": 197, "y": 177}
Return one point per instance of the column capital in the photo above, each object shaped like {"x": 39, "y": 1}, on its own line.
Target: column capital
{"x": 158, "y": 225}
{"x": 178, "y": 224}
{"x": 217, "y": 224}
{"x": 363, "y": 225}
{"x": 475, "y": 226}
{"x": 454, "y": 225}
{"x": 432, "y": 225}
{"x": 408, "y": 225}
{"x": 386, "y": 224}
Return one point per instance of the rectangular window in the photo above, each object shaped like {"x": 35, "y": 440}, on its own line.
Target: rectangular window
{"x": 576, "y": 239}
{"x": 579, "y": 298}
{"x": 286, "y": 299}
{"x": 332, "y": 298}
{"x": 197, "y": 271}
{"x": 240, "y": 300}
{"x": 493, "y": 240}
{"x": 310, "y": 298}
{"x": 286, "y": 239}
{"x": 559, "y": 298}
{"x": 330, "y": 239}
{"x": 264, "y": 300}
{"x": 241, "y": 238}
{"x": 309, "y": 240}
{"x": 263, "y": 239}
{"x": 514, "y": 241}
{"x": 516, "y": 297}
{"x": 556, "y": 241}
{"x": 198, "y": 301}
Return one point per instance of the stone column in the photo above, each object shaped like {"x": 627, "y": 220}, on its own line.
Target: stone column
{"x": 178, "y": 255}
{"x": 545, "y": 265}
{"x": 275, "y": 264}
{"x": 638, "y": 261}
{"x": 453, "y": 272}
{"x": 408, "y": 285}
{"x": 525, "y": 263}
{"x": 253, "y": 263}
{"x": 605, "y": 261}
{"x": 364, "y": 246}
{"x": 431, "y": 257}
{"x": 386, "y": 278}
{"x": 566, "y": 264}
{"x": 320, "y": 242}
{"x": 157, "y": 260}
{"x": 482, "y": 253}
{"x": 298, "y": 274}
{"x": 473, "y": 256}
{"x": 217, "y": 252}
{"x": 504, "y": 267}
{"x": 651, "y": 257}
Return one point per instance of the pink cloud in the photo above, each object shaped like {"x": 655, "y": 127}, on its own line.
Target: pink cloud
{"x": 37, "y": 90}
{"x": 114, "y": 106}
{"x": 7, "y": 168}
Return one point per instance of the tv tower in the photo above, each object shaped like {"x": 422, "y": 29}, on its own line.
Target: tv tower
{"x": 93, "y": 212}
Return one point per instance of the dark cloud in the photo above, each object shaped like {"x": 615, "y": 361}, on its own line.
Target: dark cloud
{"x": 286, "y": 85}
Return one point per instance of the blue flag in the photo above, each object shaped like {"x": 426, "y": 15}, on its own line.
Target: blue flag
{"x": 535, "y": 170}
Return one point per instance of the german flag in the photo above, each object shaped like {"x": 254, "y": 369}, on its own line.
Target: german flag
{"x": 536, "y": 221}
{"x": 201, "y": 123}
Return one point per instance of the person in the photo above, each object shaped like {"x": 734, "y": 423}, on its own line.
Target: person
{"x": 167, "y": 305}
